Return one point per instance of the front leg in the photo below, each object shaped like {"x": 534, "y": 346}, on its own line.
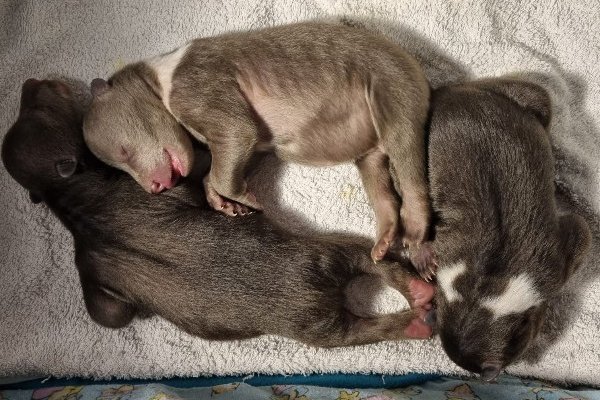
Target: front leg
{"x": 105, "y": 306}
{"x": 225, "y": 185}
{"x": 403, "y": 141}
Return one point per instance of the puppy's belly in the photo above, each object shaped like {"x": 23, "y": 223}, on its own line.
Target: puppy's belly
{"x": 325, "y": 132}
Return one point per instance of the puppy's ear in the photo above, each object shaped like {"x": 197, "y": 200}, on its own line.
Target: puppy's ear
{"x": 35, "y": 199}
{"x": 66, "y": 168}
{"x": 527, "y": 95}
{"x": 575, "y": 238}
{"x": 99, "y": 86}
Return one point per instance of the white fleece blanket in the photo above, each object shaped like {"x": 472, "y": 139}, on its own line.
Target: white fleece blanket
{"x": 44, "y": 328}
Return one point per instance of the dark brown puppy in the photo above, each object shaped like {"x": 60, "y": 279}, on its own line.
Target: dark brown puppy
{"x": 213, "y": 276}
{"x": 503, "y": 249}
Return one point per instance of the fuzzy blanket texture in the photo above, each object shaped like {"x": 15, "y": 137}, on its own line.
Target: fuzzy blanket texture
{"x": 44, "y": 328}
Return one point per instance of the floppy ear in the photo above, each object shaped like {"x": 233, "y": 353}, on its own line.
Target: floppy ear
{"x": 99, "y": 86}
{"x": 575, "y": 238}
{"x": 66, "y": 168}
{"x": 527, "y": 95}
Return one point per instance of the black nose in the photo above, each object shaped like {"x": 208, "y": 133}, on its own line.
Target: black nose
{"x": 490, "y": 371}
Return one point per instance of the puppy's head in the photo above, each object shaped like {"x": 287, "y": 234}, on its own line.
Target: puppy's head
{"x": 45, "y": 145}
{"x": 128, "y": 127}
{"x": 491, "y": 305}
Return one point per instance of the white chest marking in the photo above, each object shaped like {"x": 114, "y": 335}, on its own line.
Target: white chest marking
{"x": 520, "y": 294}
{"x": 446, "y": 277}
{"x": 164, "y": 67}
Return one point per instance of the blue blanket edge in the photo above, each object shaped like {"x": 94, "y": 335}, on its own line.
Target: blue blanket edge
{"x": 359, "y": 381}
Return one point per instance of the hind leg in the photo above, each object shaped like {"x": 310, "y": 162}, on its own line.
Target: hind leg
{"x": 418, "y": 292}
{"x": 374, "y": 171}
{"x": 402, "y": 325}
{"x": 409, "y": 324}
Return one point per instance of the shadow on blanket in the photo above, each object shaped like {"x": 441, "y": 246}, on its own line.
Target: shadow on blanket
{"x": 575, "y": 188}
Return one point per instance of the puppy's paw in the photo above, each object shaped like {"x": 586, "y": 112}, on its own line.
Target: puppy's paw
{"x": 248, "y": 200}
{"x": 421, "y": 293}
{"x": 418, "y": 328}
{"x": 382, "y": 245}
{"x": 422, "y": 256}
{"x": 233, "y": 209}
{"x": 223, "y": 204}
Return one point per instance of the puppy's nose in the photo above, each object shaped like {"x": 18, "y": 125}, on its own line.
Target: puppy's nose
{"x": 157, "y": 187}
{"x": 490, "y": 370}
{"x": 431, "y": 317}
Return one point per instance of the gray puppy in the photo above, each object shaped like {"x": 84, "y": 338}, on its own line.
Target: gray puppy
{"x": 172, "y": 255}
{"x": 313, "y": 93}
{"x": 502, "y": 248}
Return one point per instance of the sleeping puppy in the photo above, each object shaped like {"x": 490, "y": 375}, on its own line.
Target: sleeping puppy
{"x": 213, "y": 276}
{"x": 502, "y": 248}
{"x": 313, "y": 93}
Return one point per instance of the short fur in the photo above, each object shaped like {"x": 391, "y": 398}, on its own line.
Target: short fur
{"x": 213, "y": 276}
{"x": 313, "y": 93}
{"x": 491, "y": 173}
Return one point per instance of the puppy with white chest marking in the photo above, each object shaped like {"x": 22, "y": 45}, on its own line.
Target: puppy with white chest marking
{"x": 313, "y": 93}
{"x": 502, "y": 248}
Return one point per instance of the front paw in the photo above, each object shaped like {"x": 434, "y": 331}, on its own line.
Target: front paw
{"x": 422, "y": 257}
{"x": 224, "y": 205}
{"x": 382, "y": 244}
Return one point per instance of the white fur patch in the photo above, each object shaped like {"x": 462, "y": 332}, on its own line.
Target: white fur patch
{"x": 164, "y": 66}
{"x": 446, "y": 277}
{"x": 520, "y": 294}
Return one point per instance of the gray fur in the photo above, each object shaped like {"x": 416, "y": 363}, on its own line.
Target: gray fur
{"x": 216, "y": 277}
{"x": 314, "y": 93}
{"x": 491, "y": 175}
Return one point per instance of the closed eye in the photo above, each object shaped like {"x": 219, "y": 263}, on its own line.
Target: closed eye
{"x": 125, "y": 155}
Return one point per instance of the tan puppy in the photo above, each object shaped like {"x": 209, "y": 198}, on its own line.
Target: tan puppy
{"x": 313, "y": 93}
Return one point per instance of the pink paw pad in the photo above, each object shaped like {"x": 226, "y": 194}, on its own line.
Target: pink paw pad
{"x": 418, "y": 329}
{"x": 422, "y": 293}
